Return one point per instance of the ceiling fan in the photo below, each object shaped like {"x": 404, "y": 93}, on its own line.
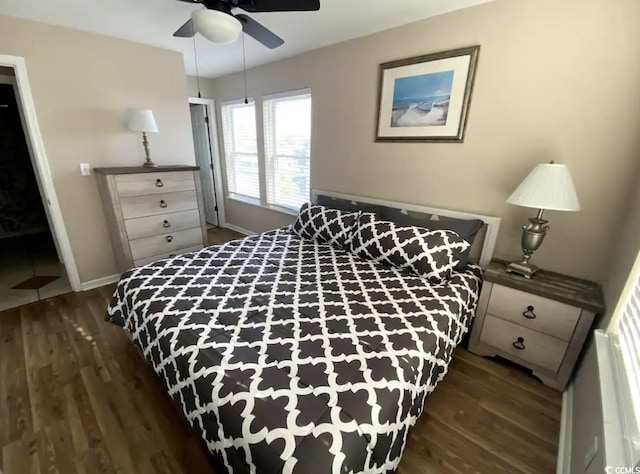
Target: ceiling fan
{"x": 216, "y": 22}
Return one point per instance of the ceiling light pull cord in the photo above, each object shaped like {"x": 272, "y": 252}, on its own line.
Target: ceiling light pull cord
{"x": 244, "y": 70}
{"x": 195, "y": 57}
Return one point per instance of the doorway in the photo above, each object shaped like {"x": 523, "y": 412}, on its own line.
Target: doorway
{"x": 203, "y": 124}
{"x": 31, "y": 267}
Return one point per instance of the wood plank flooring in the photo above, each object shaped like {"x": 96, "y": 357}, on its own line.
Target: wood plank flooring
{"x": 220, "y": 235}
{"x": 76, "y": 397}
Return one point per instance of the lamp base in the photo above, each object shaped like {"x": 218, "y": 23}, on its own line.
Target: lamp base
{"x": 145, "y": 143}
{"x": 524, "y": 269}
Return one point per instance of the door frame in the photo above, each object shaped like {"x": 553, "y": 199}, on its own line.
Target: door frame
{"x": 210, "y": 104}
{"x": 41, "y": 164}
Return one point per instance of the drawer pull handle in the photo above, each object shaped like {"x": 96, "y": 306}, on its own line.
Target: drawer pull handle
{"x": 166, "y": 224}
{"x": 169, "y": 238}
{"x": 163, "y": 204}
{"x": 529, "y": 314}
{"x": 519, "y": 344}
{"x": 159, "y": 183}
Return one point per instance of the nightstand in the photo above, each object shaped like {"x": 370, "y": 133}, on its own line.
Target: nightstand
{"x": 540, "y": 323}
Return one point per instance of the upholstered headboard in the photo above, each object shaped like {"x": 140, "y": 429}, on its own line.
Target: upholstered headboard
{"x": 484, "y": 243}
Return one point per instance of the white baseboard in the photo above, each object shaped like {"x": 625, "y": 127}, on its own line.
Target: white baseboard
{"x": 239, "y": 229}
{"x": 98, "y": 282}
{"x": 566, "y": 422}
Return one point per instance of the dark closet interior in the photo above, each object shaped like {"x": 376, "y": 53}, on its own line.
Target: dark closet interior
{"x": 21, "y": 208}
{"x": 29, "y": 266}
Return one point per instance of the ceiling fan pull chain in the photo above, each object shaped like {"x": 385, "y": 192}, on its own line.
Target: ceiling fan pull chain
{"x": 195, "y": 58}
{"x": 244, "y": 70}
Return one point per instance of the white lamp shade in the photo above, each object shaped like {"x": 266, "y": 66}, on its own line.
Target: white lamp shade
{"x": 216, "y": 26}
{"x": 142, "y": 121}
{"x": 548, "y": 186}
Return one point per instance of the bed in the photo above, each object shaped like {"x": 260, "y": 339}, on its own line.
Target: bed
{"x": 287, "y": 355}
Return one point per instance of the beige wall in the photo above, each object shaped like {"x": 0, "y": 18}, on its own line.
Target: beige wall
{"x": 556, "y": 80}
{"x": 587, "y": 403}
{"x": 206, "y": 87}
{"x": 82, "y": 86}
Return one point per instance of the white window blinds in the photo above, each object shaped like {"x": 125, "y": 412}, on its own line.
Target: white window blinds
{"x": 625, "y": 333}
{"x": 287, "y": 140}
{"x": 241, "y": 149}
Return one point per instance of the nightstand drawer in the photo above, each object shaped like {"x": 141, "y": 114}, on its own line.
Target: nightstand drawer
{"x": 535, "y": 312}
{"x": 144, "y": 261}
{"x": 161, "y": 224}
{"x": 166, "y": 243}
{"x": 141, "y": 184}
{"x": 153, "y": 204}
{"x": 531, "y": 346}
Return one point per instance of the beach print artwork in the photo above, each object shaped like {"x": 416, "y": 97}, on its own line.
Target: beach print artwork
{"x": 422, "y": 101}
{"x": 426, "y": 98}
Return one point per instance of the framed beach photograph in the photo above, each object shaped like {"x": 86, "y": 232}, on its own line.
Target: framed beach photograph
{"x": 426, "y": 98}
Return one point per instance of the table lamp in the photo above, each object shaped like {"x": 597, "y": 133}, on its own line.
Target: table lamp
{"x": 143, "y": 121}
{"x": 547, "y": 187}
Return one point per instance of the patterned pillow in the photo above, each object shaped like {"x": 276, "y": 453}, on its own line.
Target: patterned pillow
{"x": 325, "y": 225}
{"x": 429, "y": 254}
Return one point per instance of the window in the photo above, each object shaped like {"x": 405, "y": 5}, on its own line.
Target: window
{"x": 241, "y": 149}
{"x": 624, "y": 333}
{"x": 287, "y": 142}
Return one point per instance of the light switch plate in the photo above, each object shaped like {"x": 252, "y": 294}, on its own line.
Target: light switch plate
{"x": 85, "y": 169}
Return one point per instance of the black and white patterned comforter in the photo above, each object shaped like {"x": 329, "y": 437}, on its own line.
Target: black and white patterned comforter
{"x": 292, "y": 356}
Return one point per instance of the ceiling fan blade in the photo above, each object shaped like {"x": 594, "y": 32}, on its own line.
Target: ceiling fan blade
{"x": 279, "y": 5}
{"x": 259, "y": 32}
{"x": 185, "y": 31}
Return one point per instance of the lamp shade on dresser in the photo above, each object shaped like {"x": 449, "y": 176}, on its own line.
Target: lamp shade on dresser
{"x": 152, "y": 213}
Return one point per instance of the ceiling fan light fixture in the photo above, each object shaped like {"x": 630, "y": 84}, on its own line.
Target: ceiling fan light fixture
{"x": 216, "y": 26}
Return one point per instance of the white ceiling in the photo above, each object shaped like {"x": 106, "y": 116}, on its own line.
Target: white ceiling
{"x": 154, "y": 21}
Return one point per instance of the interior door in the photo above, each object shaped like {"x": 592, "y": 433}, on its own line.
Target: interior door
{"x": 204, "y": 160}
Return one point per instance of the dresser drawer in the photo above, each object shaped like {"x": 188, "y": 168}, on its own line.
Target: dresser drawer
{"x": 161, "y": 224}
{"x": 154, "y": 183}
{"x": 166, "y": 243}
{"x": 144, "y": 261}
{"x": 533, "y": 347}
{"x": 154, "y": 204}
{"x": 535, "y": 312}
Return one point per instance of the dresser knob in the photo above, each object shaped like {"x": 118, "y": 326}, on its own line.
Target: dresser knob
{"x": 166, "y": 224}
{"x": 529, "y": 314}
{"x": 169, "y": 238}
{"x": 519, "y": 344}
{"x": 159, "y": 183}
{"x": 163, "y": 204}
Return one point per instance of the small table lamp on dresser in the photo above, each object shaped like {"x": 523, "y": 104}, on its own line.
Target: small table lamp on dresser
{"x": 143, "y": 121}
{"x": 548, "y": 186}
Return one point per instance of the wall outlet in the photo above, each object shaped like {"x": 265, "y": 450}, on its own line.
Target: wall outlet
{"x": 85, "y": 169}
{"x": 591, "y": 453}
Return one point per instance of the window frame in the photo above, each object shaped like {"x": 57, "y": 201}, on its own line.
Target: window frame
{"x": 623, "y": 428}
{"x": 256, "y": 201}
{"x": 306, "y": 91}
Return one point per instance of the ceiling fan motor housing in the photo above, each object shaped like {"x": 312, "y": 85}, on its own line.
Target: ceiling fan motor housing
{"x": 216, "y": 26}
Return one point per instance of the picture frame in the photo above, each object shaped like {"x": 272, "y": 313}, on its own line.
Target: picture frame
{"x": 426, "y": 98}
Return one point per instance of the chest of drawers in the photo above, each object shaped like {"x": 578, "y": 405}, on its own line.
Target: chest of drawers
{"x": 540, "y": 323}
{"x": 152, "y": 213}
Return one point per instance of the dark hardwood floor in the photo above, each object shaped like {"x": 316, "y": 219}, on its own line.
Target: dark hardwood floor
{"x": 76, "y": 397}
{"x": 220, "y": 235}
